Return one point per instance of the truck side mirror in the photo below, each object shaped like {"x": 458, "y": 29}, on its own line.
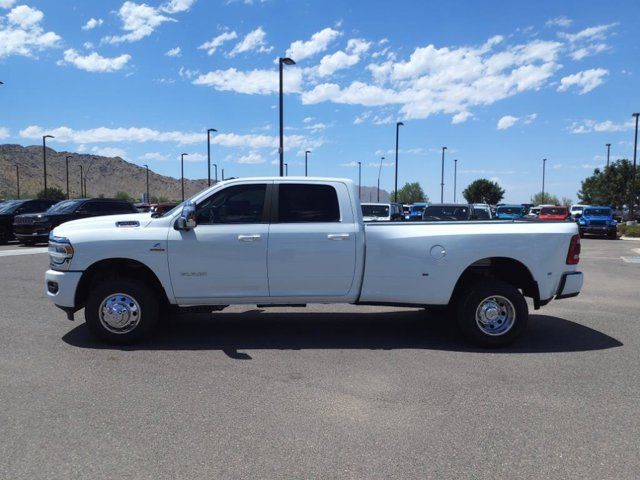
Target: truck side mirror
{"x": 187, "y": 219}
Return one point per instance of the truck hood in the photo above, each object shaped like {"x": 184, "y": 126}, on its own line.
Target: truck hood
{"x": 590, "y": 218}
{"x": 128, "y": 220}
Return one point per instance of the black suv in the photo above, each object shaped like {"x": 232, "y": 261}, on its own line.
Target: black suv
{"x": 11, "y": 208}
{"x": 35, "y": 227}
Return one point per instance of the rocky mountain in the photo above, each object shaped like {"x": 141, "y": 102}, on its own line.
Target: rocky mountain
{"x": 105, "y": 175}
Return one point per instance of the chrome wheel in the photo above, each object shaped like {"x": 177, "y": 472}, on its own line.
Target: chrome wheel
{"x": 495, "y": 315}
{"x": 119, "y": 313}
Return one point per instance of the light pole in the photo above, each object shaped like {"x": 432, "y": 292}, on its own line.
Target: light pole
{"x": 67, "y": 165}
{"x": 359, "y": 180}
{"x": 286, "y": 169}
{"x": 182, "y": 172}
{"x": 281, "y": 62}
{"x": 81, "y": 183}
{"x": 306, "y": 158}
{"x": 633, "y": 174}
{"x": 223, "y": 174}
{"x": 398, "y": 125}
{"x": 455, "y": 178}
{"x": 44, "y": 159}
{"x": 215, "y": 166}
{"x": 209, "y": 130}
{"x": 379, "y": 172}
{"x": 17, "y": 180}
{"x": 608, "y": 153}
{"x": 544, "y": 165}
{"x": 442, "y": 177}
{"x": 147, "y": 172}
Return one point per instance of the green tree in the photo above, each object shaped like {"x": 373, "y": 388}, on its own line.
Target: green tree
{"x": 410, "y": 193}
{"x": 610, "y": 186}
{"x": 483, "y": 191}
{"x": 52, "y": 193}
{"x": 548, "y": 199}
{"x": 123, "y": 196}
{"x": 567, "y": 202}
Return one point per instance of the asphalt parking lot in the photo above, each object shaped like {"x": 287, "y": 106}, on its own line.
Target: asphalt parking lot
{"x": 325, "y": 392}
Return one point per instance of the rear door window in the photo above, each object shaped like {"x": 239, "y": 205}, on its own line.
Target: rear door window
{"x": 304, "y": 203}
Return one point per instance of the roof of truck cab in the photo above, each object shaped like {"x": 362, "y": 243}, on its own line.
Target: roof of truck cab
{"x": 286, "y": 179}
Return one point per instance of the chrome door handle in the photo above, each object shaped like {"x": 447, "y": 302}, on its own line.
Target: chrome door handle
{"x": 248, "y": 238}
{"x": 338, "y": 236}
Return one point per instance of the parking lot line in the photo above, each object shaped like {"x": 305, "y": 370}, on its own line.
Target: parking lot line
{"x": 23, "y": 251}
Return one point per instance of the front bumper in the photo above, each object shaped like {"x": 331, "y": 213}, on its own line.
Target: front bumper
{"x": 597, "y": 229}
{"x": 570, "y": 285}
{"x": 61, "y": 287}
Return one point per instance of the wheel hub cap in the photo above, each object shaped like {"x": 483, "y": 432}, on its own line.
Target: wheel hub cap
{"x": 495, "y": 315}
{"x": 119, "y": 313}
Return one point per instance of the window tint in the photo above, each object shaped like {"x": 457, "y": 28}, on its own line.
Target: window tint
{"x": 482, "y": 214}
{"x": 91, "y": 207}
{"x": 307, "y": 203}
{"x": 32, "y": 207}
{"x": 120, "y": 207}
{"x": 238, "y": 204}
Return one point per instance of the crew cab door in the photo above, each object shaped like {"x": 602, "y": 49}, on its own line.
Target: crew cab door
{"x": 225, "y": 255}
{"x": 312, "y": 240}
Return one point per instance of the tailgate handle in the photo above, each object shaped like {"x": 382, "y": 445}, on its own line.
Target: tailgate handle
{"x": 248, "y": 238}
{"x": 338, "y": 236}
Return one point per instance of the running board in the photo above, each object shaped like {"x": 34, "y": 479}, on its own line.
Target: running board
{"x": 281, "y": 305}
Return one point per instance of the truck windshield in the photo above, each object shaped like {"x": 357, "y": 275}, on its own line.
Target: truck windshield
{"x": 64, "y": 207}
{"x": 375, "y": 210}
{"x": 417, "y": 209}
{"x": 10, "y": 206}
{"x": 510, "y": 210}
{"x": 553, "y": 211}
{"x": 597, "y": 212}
{"x": 446, "y": 212}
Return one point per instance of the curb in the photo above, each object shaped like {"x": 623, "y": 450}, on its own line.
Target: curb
{"x": 633, "y": 239}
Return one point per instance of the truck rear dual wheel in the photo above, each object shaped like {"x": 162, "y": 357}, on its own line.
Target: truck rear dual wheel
{"x": 492, "y": 314}
{"x": 121, "y": 311}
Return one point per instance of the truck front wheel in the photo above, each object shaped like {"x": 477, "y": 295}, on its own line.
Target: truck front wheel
{"x": 492, "y": 314}
{"x": 121, "y": 311}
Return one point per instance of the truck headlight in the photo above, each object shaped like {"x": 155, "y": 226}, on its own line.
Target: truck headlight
{"x": 60, "y": 253}
{"x": 582, "y": 221}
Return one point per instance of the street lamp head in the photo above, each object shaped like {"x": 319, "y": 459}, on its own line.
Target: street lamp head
{"x": 48, "y": 136}
{"x": 399, "y": 124}
{"x": 635, "y": 115}
{"x": 444, "y": 148}
{"x": 211, "y": 130}
{"x": 145, "y": 166}
{"x": 287, "y": 61}
{"x": 183, "y": 154}
{"x": 68, "y": 157}
{"x": 307, "y": 151}
{"x": 607, "y": 144}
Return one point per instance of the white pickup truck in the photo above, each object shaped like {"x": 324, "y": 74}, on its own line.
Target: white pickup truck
{"x": 294, "y": 241}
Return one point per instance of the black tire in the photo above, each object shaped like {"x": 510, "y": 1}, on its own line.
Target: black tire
{"x": 28, "y": 243}
{"x": 613, "y": 235}
{"x": 470, "y": 304}
{"x": 145, "y": 314}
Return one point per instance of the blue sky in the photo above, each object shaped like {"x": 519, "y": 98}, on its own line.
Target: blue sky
{"x": 501, "y": 84}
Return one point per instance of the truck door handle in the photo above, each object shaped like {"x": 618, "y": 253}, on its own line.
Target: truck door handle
{"x": 338, "y": 236}
{"x": 248, "y": 238}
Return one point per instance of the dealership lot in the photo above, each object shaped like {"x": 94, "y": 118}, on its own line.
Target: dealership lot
{"x": 324, "y": 392}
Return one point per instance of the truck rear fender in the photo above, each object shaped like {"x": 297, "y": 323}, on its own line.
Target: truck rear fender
{"x": 505, "y": 269}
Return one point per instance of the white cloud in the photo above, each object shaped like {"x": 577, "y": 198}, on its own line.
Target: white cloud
{"x": 176, "y": 6}
{"x": 94, "y": 62}
{"x": 254, "y": 41}
{"x": 186, "y": 73}
{"x": 598, "y": 32}
{"x": 23, "y": 34}
{"x": 143, "y": 135}
{"x": 212, "y": 45}
{"x": 461, "y": 117}
{"x": 561, "y": 21}
{"x": 4, "y": 133}
{"x": 586, "y": 80}
{"x": 299, "y": 50}
{"x": 153, "y": 156}
{"x": 7, "y": 3}
{"x": 109, "y": 151}
{"x": 340, "y": 59}
{"x": 509, "y": 121}
{"x": 252, "y": 158}
{"x": 588, "y": 126}
{"x": 358, "y": 93}
{"x": 250, "y": 82}
{"x": 174, "y": 52}
{"x": 92, "y": 23}
{"x": 139, "y": 20}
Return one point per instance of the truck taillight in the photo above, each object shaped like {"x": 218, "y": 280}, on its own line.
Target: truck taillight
{"x": 573, "y": 255}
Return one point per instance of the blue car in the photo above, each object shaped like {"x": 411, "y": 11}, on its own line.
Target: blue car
{"x": 510, "y": 212}
{"x": 598, "y": 221}
{"x": 415, "y": 214}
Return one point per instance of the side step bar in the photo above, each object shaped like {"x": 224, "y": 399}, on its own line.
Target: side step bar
{"x": 282, "y": 305}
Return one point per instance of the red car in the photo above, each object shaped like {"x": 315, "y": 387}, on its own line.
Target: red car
{"x": 553, "y": 213}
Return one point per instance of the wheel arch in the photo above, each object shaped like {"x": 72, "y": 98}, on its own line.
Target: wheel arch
{"x": 506, "y": 269}
{"x": 117, "y": 267}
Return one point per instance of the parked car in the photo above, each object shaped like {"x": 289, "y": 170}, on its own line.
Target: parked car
{"x": 159, "y": 209}
{"x": 10, "y": 208}
{"x": 406, "y": 210}
{"x": 416, "y": 211}
{"x": 382, "y": 212}
{"x": 35, "y": 227}
{"x": 554, "y": 213}
{"x": 510, "y": 212}
{"x": 296, "y": 240}
{"x": 443, "y": 212}
{"x": 481, "y": 211}
{"x": 576, "y": 211}
{"x": 142, "y": 207}
{"x": 599, "y": 221}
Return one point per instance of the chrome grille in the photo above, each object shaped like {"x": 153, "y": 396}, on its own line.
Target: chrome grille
{"x": 24, "y": 221}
